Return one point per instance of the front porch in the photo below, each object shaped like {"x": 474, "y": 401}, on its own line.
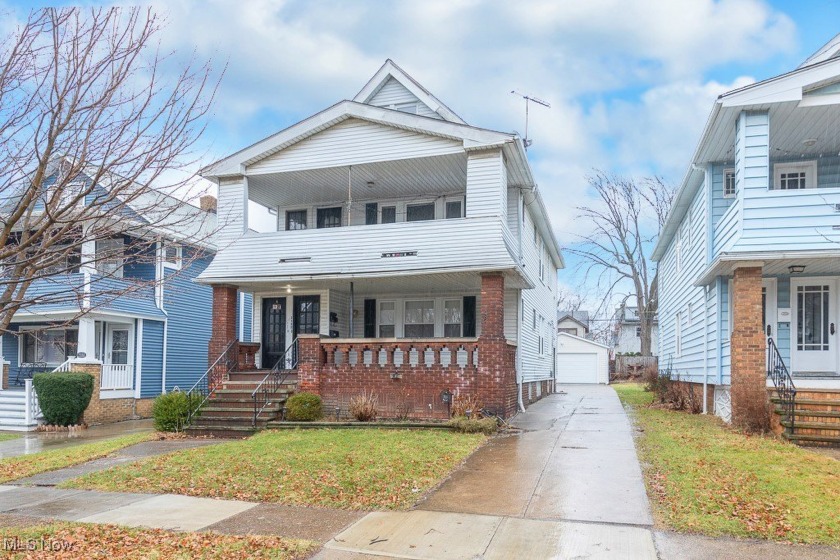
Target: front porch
{"x": 409, "y": 340}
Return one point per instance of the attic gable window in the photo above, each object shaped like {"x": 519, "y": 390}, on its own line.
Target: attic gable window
{"x": 728, "y": 183}
{"x": 110, "y": 255}
{"x": 795, "y": 176}
{"x": 405, "y": 107}
{"x": 173, "y": 256}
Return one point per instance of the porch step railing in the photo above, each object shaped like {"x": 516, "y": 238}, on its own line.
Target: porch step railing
{"x": 778, "y": 372}
{"x": 64, "y": 367}
{"x": 31, "y": 409}
{"x": 212, "y": 379}
{"x": 275, "y": 378}
{"x": 117, "y": 377}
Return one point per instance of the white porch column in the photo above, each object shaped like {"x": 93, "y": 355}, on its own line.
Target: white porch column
{"x": 88, "y": 256}
{"x": 87, "y": 338}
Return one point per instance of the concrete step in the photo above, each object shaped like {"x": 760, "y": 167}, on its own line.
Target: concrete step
{"x": 822, "y": 426}
{"x": 226, "y": 411}
{"x": 230, "y": 432}
{"x": 830, "y": 441}
{"x": 807, "y": 403}
{"x": 11, "y": 408}
{"x": 232, "y": 421}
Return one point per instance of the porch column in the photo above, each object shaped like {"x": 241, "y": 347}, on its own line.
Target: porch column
{"x": 309, "y": 363}
{"x": 750, "y": 403}
{"x": 496, "y": 383}
{"x": 224, "y": 320}
{"x": 87, "y": 338}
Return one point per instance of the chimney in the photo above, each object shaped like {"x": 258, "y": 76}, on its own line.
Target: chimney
{"x": 208, "y": 203}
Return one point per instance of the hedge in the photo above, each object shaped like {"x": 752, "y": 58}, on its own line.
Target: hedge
{"x": 63, "y": 397}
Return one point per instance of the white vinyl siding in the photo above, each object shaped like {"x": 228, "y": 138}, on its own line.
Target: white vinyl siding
{"x": 486, "y": 184}
{"x": 394, "y": 95}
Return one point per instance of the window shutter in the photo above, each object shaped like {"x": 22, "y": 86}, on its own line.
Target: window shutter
{"x": 371, "y": 211}
{"x": 469, "y": 316}
{"x": 370, "y": 318}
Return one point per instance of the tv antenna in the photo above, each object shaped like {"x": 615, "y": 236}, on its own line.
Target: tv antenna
{"x": 528, "y": 98}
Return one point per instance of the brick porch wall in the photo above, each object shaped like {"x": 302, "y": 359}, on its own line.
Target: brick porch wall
{"x": 750, "y": 405}
{"x": 106, "y": 411}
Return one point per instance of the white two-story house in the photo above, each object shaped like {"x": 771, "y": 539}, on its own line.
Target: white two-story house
{"x": 413, "y": 254}
{"x": 749, "y": 258}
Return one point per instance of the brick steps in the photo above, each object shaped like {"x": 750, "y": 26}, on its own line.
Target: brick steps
{"x": 816, "y": 417}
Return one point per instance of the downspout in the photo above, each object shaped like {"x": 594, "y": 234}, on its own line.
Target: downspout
{"x": 705, "y": 348}
{"x": 520, "y": 218}
{"x": 352, "y": 308}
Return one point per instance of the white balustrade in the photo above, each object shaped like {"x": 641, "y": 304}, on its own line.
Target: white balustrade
{"x": 117, "y": 377}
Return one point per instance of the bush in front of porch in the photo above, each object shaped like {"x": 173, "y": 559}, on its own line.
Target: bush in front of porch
{"x": 704, "y": 477}
{"x": 63, "y": 397}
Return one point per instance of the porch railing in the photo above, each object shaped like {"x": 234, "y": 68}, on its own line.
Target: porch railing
{"x": 778, "y": 372}
{"x": 275, "y": 378}
{"x": 32, "y": 409}
{"x": 401, "y": 353}
{"x": 212, "y": 379}
{"x": 117, "y": 377}
{"x": 64, "y": 367}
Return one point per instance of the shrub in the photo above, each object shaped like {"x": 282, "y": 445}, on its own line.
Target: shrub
{"x": 170, "y": 411}
{"x": 363, "y": 407}
{"x": 63, "y": 396}
{"x": 304, "y": 407}
{"x": 486, "y": 426}
{"x": 463, "y": 403}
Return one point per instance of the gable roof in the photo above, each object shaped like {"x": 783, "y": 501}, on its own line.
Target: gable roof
{"x": 570, "y": 317}
{"x": 825, "y": 52}
{"x": 391, "y": 72}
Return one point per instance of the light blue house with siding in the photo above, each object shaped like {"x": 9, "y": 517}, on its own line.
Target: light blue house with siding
{"x": 749, "y": 258}
{"x": 139, "y": 313}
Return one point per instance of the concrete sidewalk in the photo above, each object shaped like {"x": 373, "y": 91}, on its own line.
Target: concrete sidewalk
{"x": 35, "y": 442}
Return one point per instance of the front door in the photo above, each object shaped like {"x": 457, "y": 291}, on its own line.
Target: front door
{"x": 813, "y": 336}
{"x": 117, "y": 345}
{"x": 273, "y": 330}
{"x": 307, "y": 316}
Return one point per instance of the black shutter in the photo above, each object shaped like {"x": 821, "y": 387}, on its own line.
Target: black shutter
{"x": 370, "y": 318}
{"x": 469, "y": 316}
{"x": 371, "y": 212}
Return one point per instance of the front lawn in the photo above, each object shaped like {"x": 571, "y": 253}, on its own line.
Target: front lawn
{"x": 14, "y": 468}
{"x": 7, "y": 437}
{"x": 347, "y": 469}
{"x": 703, "y": 477}
{"x": 81, "y": 540}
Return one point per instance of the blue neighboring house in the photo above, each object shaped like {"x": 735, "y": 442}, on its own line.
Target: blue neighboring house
{"x": 147, "y": 322}
{"x": 749, "y": 259}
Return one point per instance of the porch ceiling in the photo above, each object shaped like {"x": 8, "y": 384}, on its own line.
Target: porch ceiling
{"x": 443, "y": 283}
{"x": 403, "y": 178}
{"x": 827, "y": 263}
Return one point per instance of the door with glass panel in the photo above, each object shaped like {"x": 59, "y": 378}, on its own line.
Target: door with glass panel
{"x": 814, "y": 325}
{"x": 117, "y": 345}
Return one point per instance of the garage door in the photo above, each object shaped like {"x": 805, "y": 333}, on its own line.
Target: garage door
{"x": 577, "y": 368}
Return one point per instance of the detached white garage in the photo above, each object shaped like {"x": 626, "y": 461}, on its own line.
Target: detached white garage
{"x": 581, "y": 361}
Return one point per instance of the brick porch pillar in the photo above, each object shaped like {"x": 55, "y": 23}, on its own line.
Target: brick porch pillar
{"x": 750, "y": 405}
{"x": 309, "y": 363}
{"x": 224, "y": 321}
{"x": 496, "y": 370}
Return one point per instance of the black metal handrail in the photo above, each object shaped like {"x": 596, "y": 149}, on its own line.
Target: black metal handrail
{"x": 274, "y": 379}
{"x": 209, "y": 382}
{"x": 778, "y": 372}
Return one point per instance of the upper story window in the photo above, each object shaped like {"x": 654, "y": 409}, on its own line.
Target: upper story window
{"x": 638, "y": 332}
{"x": 795, "y": 176}
{"x": 110, "y": 257}
{"x": 454, "y": 209}
{"x": 389, "y": 215}
{"x": 172, "y": 256}
{"x": 371, "y": 213}
{"x": 728, "y": 183}
{"x": 295, "y": 219}
{"x": 420, "y": 212}
{"x": 328, "y": 217}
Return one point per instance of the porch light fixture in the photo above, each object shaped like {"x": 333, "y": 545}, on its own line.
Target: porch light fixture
{"x": 809, "y": 142}
{"x": 796, "y": 268}
{"x": 288, "y": 289}
{"x": 369, "y": 184}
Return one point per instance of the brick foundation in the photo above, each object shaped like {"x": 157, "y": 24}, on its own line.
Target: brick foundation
{"x": 106, "y": 411}
{"x": 536, "y": 390}
{"x": 750, "y": 405}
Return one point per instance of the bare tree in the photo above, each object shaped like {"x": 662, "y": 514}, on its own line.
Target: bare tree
{"x": 94, "y": 123}
{"x": 569, "y": 301}
{"x": 627, "y": 220}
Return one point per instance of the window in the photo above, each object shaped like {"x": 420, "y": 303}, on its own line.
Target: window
{"x": 110, "y": 255}
{"x": 679, "y": 250}
{"x": 172, "y": 256}
{"x": 328, "y": 217}
{"x": 371, "y": 213}
{"x": 452, "y": 318}
{"x": 795, "y": 176}
{"x": 688, "y": 316}
{"x": 454, "y": 209}
{"x": 387, "y": 319}
{"x": 534, "y": 320}
{"x": 420, "y": 212}
{"x": 535, "y": 234}
{"x": 728, "y": 183}
{"x": 541, "y": 250}
{"x": 638, "y": 332}
{"x": 420, "y": 319}
{"x": 568, "y": 330}
{"x": 295, "y": 219}
{"x": 51, "y": 346}
{"x": 678, "y": 335}
{"x": 405, "y": 107}
{"x": 389, "y": 214}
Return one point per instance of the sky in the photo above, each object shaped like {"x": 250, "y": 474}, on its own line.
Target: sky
{"x": 630, "y": 82}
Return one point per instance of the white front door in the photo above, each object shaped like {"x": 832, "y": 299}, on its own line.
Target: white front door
{"x": 814, "y": 325}
{"x": 118, "y": 345}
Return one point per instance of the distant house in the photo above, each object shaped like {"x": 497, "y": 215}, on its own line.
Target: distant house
{"x": 573, "y": 322}
{"x": 627, "y": 333}
{"x": 146, "y": 327}
{"x": 413, "y": 255}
